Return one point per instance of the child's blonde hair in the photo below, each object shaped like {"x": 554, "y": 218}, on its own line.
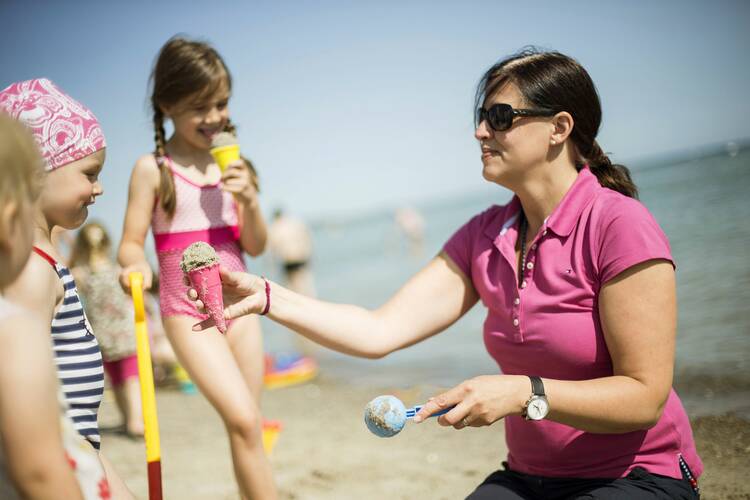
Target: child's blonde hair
{"x": 83, "y": 248}
{"x": 21, "y": 164}
{"x": 184, "y": 69}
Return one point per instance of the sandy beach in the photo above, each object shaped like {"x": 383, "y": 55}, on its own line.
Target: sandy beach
{"x": 326, "y": 452}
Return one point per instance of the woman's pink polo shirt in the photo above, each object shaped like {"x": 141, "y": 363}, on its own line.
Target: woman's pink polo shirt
{"x": 548, "y": 325}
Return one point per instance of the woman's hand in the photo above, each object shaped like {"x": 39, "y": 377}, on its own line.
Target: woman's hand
{"x": 141, "y": 267}
{"x": 237, "y": 180}
{"x": 243, "y": 294}
{"x": 480, "y": 401}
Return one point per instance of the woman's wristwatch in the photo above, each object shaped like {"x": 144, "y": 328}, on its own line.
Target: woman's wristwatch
{"x": 537, "y": 406}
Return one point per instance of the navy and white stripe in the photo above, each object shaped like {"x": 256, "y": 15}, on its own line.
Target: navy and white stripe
{"x": 78, "y": 359}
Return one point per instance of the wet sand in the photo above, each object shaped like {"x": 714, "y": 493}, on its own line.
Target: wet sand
{"x": 326, "y": 452}
{"x": 724, "y": 445}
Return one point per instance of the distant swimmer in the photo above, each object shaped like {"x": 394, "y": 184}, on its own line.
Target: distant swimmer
{"x": 290, "y": 242}
{"x": 411, "y": 224}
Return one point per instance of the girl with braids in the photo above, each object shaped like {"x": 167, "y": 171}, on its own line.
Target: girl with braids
{"x": 180, "y": 192}
{"x": 579, "y": 284}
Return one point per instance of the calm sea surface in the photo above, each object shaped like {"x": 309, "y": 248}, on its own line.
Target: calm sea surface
{"x": 703, "y": 205}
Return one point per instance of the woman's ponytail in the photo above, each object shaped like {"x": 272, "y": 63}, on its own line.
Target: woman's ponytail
{"x": 610, "y": 175}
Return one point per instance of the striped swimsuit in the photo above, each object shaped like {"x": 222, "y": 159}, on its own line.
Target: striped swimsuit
{"x": 77, "y": 356}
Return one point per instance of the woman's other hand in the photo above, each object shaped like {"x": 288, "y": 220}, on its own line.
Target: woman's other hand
{"x": 480, "y": 401}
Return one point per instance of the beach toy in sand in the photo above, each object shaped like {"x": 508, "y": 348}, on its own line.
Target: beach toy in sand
{"x": 187, "y": 386}
{"x": 385, "y": 416}
{"x": 148, "y": 397}
{"x": 224, "y": 149}
{"x": 201, "y": 264}
{"x": 271, "y": 430}
{"x": 284, "y": 370}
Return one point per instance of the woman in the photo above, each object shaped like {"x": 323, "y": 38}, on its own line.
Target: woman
{"x": 579, "y": 284}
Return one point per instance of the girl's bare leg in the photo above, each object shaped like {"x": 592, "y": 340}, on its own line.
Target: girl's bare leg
{"x": 208, "y": 358}
{"x": 128, "y": 398}
{"x": 134, "y": 414}
{"x": 246, "y": 342}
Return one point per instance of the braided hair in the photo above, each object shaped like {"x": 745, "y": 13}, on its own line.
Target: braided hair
{"x": 184, "y": 69}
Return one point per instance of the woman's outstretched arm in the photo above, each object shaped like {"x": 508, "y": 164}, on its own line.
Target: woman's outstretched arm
{"x": 429, "y": 302}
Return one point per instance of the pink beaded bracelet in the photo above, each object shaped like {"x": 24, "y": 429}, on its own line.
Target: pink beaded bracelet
{"x": 268, "y": 297}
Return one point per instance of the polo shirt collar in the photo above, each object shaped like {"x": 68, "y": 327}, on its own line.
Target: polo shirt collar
{"x": 504, "y": 221}
{"x": 565, "y": 216}
{"x": 562, "y": 220}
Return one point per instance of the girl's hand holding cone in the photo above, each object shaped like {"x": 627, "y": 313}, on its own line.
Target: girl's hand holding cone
{"x": 238, "y": 180}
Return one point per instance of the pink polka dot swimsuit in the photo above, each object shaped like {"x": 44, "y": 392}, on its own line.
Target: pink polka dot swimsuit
{"x": 202, "y": 213}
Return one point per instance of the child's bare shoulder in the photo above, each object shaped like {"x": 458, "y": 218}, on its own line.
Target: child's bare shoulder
{"x": 27, "y": 360}
{"x": 146, "y": 168}
{"x": 13, "y": 343}
{"x": 38, "y": 288}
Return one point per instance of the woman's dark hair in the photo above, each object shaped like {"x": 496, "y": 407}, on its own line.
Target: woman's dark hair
{"x": 184, "y": 69}
{"x": 555, "y": 81}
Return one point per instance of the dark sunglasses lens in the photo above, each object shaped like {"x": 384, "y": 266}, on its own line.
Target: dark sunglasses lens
{"x": 481, "y": 115}
{"x": 500, "y": 116}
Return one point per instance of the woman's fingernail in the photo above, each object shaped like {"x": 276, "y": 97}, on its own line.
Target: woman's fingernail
{"x": 417, "y": 419}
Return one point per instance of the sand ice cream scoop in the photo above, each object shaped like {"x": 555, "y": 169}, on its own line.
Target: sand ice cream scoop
{"x": 385, "y": 416}
{"x": 223, "y": 139}
{"x": 224, "y": 149}
{"x": 201, "y": 264}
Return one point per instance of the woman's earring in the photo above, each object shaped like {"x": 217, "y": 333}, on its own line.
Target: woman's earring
{"x": 552, "y": 142}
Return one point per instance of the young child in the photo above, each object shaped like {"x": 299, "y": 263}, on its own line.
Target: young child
{"x": 111, "y": 314}
{"x": 180, "y": 192}
{"x": 72, "y": 145}
{"x": 58, "y": 464}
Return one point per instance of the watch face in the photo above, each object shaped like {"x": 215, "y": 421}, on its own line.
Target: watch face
{"x": 538, "y": 408}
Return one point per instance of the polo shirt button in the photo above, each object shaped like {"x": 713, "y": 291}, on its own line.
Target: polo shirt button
{"x": 515, "y": 321}
{"x": 523, "y": 284}
{"x": 544, "y": 233}
{"x": 530, "y": 265}
{"x": 517, "y": 301}
{"x": 533, "y": 247}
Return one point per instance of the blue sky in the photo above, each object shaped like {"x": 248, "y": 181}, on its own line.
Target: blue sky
{"x": 347, "y": 107}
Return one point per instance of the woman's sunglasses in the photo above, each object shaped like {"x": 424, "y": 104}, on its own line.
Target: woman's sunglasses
{"x": 500, "y": 116}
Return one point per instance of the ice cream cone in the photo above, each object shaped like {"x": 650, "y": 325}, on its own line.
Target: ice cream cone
{"x": 224, "y": 155}
{"x": 207, "y": 282}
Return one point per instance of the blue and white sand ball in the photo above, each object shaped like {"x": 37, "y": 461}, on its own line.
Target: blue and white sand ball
{"x": 385, "y": 416}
